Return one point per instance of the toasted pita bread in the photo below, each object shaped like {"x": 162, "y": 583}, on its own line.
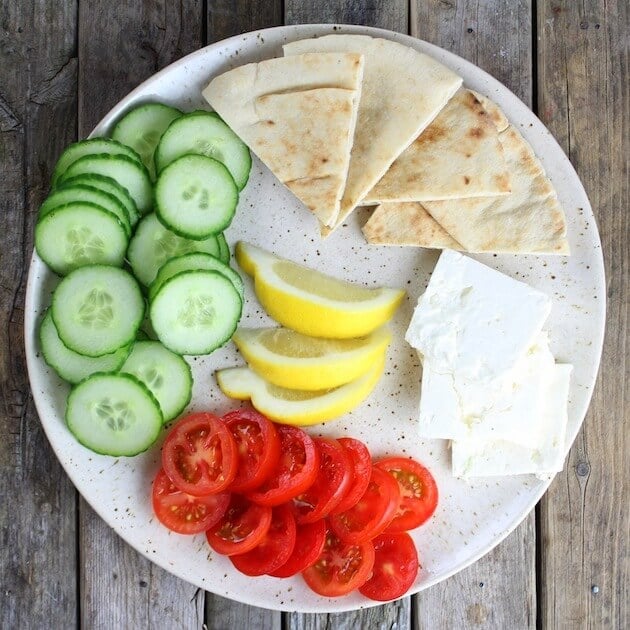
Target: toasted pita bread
{"x": 494, "y": 111}
{"x": 457, "y": 156}
{"x": 528, "y": 221}
{"x": 407, "y": 224}
{"x": 298, "y": 115}
{"x": 403, "y": 90}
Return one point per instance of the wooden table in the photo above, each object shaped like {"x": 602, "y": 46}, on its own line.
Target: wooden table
{"x": 63, "y": 64}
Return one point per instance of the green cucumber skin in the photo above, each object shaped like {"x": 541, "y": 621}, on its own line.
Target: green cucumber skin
{"x": 105, "y": 146}
{"x": 185, "y": 371}
{"x": 50, "y": 216}
{"x": 161, "y": 210}
{"x": 207, "y": 349}
{"x": 59, "y": 317}
{"x": 145, "y": 389}
{"x": 77, "y": 366}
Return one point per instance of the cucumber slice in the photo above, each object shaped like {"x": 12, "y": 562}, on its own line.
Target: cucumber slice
{"x": 97, "y": 309}
{"x": 204, "y": 133}
{"x": 191, "y": 262}
{"x": 71, "y": 366}
{"x": 224, "y": 248}
{"x": 108, "y": 185}
{"x": 90, "y": 147}
{"x": 78, "y": 234}
{"x": 142, "y": 127}
{"x": 113, "y": 414}
{"x": 195, "y": 197}
{"x": 166, "y": 374}
{"x": 195, "y": 312}
{"x": 81, "y": 192}
{"x": 130, "y": 174}
{"x": 152, "y": 245}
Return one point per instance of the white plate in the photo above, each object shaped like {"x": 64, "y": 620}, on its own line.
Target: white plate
{"x": 472, "y": 517}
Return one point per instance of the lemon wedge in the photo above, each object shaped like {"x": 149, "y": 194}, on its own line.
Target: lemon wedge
{"x": 313, "y": 303}
{"x": 290, "y": 359}
{"x": 294, "y": 406}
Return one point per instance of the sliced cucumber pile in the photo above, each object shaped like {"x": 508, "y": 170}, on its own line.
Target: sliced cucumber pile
{"x": 204, "y": 133}
{"x": 142, "y": 128}
{"x": 125, "y": 385}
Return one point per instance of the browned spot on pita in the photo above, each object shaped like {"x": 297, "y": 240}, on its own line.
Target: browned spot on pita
{"x": 466, "y": 180}
{"x": 503, "y": 182}
{"x": 270, "y": 122}
{"x": 476, "y": 132}
{"x": 432, "y": 133}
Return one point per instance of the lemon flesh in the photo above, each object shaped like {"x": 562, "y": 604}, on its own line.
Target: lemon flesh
{"x": 313, "y": 303}
{"x": 297, "y": 407}
{"x": 292, "y": 360}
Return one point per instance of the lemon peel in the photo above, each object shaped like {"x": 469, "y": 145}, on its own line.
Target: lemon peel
{"x": 297, "y": 407}
{"x": 290, "y": 359}
{"x": 313, "y": 303}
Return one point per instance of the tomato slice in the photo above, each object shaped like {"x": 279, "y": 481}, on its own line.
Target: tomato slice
{"x": 340, "y": 568}
{"x": 275, "y": 547}
{"x": 295, "y": 471}
{"x": 372, "y": 513}
{"x": 361, "y": 462}
{"x": 242, "y": 527}
{"x": 309, "y": 543}
{"x": 199, "y": 455}
{"x": 258, "y": 448}
{"x": 418, "y": 491}
{"x": 184, "y": 513}
{"x": 330, "y": 485}
{"x": 395, "y": 567}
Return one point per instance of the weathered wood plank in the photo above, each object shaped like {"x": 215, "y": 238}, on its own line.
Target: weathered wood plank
{"x": 584, "y": 100}
{"x": 391, "y": 15}
{"x": 231, "y": 17}
{"x": 38, "y": 508}
{"x": 499, "y": 590}
{"x": 120, "y": 45}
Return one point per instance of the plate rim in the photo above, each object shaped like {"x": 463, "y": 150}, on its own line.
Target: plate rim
{"x": 325, "y": 29}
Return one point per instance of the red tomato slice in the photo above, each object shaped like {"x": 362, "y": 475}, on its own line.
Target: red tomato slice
{"x": 258, "y": 448}
{"x": 361, "y": 461}
{"x": 199, "y": 455}
{"x": 275, "y": 547}
{"x": 309, "y": 543}
{"x": 418, "y": 491}
{"x": 242, "y": 527}
{"x": 395, "y": 567}
{"x": 330, "y": 485}
{"x": 295, "y": 471}
{"x": 373, "y": 512}
{"x": 184, "y": 513}
{"x": 340, "y": 568}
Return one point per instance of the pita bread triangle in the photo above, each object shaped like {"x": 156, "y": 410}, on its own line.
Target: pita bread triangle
{"x": 457, "y": 156}
{"x": 529, "y": 220}
{"x": 403, "y": 90}
{"x": 407, "y": 223}
{"x": 298, "y": 115}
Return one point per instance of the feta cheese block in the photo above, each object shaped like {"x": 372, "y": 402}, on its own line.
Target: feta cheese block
{"x": 474, "y": 321}
{"x": 473, "y": 458}
{"x": 508, "y": 408}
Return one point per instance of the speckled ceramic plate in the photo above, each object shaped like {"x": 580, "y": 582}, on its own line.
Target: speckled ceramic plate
{"x": 472, "y": 517}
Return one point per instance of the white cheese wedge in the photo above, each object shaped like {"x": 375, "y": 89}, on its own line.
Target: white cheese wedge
{"x": 508, "y": 408}
{"x": 474, "y": 321}
{"x": 471, "y": 458}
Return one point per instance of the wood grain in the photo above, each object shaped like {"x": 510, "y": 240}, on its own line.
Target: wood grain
{"x": 584, "y": 100}
{"x": 498, "y": 591}
{"x": 120, "y": 45}
{"x": 231, "y": 17}
{"x": 38, "y": 68}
